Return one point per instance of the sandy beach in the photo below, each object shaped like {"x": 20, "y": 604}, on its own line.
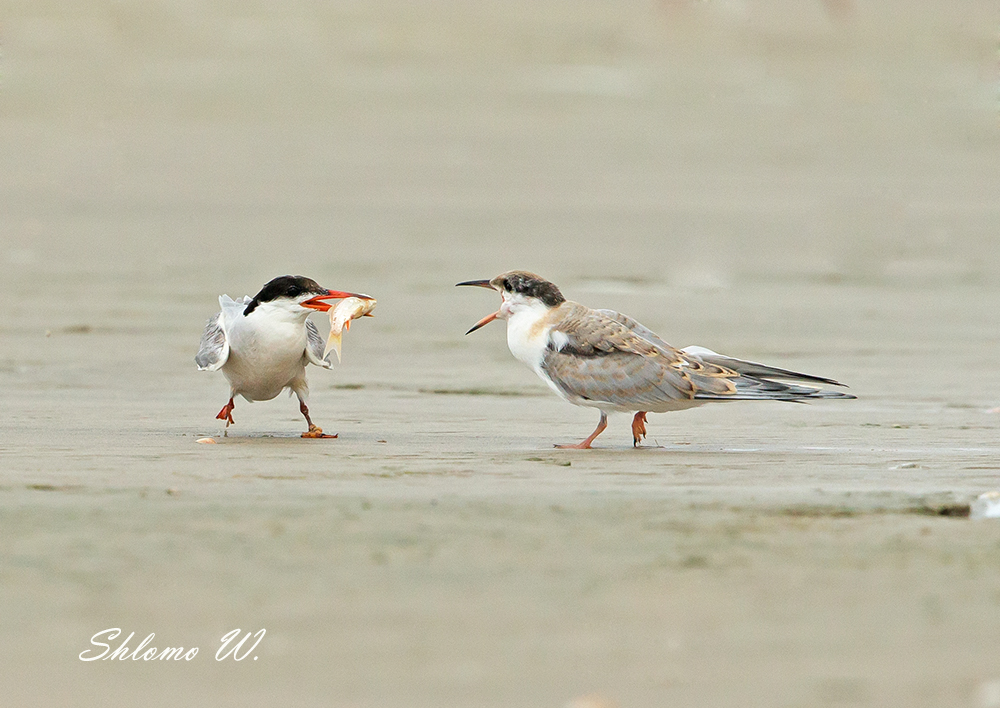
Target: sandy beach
{"x": 812, "y": 185}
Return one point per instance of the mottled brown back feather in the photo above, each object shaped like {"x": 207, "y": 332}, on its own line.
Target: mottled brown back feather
{"x": 611, "y": 358}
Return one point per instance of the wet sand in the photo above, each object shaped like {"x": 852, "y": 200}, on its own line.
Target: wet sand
{"x": 810, "y": 187}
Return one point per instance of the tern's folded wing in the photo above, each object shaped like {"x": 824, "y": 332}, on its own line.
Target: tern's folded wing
{"x": 214, "y": 350}
{"x": 595, "y": 356}
{"x": 315, "y": 346}
{"x": 752, "y": 368}
{"x": 636, "y": 328}
{"x": 619, "y": 379}
{"x": 747, "y": 380}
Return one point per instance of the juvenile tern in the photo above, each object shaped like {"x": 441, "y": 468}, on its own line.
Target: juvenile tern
{"x": 263, "y": 344}
{"x": 606, "y": 360}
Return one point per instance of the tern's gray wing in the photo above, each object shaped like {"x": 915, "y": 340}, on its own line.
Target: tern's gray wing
{"x": 609, "y": 357}
{"x": 754, "y": 380}
{"x": 214, "y": 350}
{"x": 636, "y": 328}
{"x": 315, "y": 346}
{"x": 752, "y": 368}
{"x": 740, "y": 366}
{"x": 597, "y": 357}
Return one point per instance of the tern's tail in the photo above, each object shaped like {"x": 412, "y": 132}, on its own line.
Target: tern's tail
{"x": 759, "y": 382}
{"x": 750, "y": 388}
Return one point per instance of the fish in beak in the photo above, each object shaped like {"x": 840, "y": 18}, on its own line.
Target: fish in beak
{"x": 340, "y": 320}
{"x": 317, "y": 303}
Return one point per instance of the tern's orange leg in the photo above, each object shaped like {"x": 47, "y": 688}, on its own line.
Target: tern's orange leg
{"x": 314, "y": 430}
{"x": 226, "y": 413}
{"x": 638, "y": 428}
{"x": 585, "y": 445}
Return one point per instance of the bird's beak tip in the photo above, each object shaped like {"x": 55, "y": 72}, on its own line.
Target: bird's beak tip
{"x": 341, "y": 294}
{"x": 317, "y": 303}
{"x": 485, "y": 321}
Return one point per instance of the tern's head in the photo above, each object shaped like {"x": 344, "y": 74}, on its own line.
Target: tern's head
{"x": 296, "y": 296}
{"x": 521, "y": 292}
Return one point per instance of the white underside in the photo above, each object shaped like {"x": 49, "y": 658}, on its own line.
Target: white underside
{"x": 528, "y": 337}
{"x": 266, "y": 354}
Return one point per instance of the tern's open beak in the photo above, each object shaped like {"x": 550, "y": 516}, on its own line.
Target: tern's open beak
{"x": 477, "y": 283}
{"x": 317, "y": 303}
{"x": 485, "y": 321}
{"x": 489, "y": 318}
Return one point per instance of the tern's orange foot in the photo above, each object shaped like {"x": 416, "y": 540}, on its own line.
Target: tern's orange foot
{"x": 316, "y": 432}
{"x": 226, "y": 413}
{"x": 638, "y": 428}
{"x": 585, "y": 445}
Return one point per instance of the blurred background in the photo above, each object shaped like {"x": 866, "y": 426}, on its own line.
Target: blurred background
{"x": 695, "y": 144}
{"x": 681, "y": 159}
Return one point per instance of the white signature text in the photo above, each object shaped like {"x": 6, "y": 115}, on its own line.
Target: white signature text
{"x": 233, "y": 646}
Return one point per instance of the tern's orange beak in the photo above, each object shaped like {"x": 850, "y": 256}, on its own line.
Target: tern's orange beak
{"x": 489, "y": 318}
{"x": 317, "y": 303}
{"x": 485, "y": 321}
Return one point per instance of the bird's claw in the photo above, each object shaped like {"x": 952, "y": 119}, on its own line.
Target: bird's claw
{"x": 226, "y": 413}
{"x": 638, "y": 428}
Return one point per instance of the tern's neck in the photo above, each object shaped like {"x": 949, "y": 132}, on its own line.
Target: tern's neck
{"x": 528, "y": 332}
{"x": 274, "y": 314}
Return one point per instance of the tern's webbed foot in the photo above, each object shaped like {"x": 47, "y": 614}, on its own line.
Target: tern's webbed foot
{"x": 226, "y": 413}
{"x": 638, "y": 428}
{"x": 585, "y": 445}
{"x": 316, "y": 432}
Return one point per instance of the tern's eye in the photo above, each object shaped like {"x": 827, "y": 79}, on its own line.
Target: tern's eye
{"x": 506, "y": 284}
{"x": 294, "y": 291}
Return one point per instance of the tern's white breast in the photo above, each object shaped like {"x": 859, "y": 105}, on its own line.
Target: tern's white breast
{"x": 266, "y": 354}
{"x": 528, "y": 336}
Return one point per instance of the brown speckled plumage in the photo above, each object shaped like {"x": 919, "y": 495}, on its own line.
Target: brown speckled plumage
{"x": 609, "y": 357}
{"x": 604, "y": 360}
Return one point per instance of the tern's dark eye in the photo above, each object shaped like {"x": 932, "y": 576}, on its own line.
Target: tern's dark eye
{"x": 506, "y": 284}
{"x": 294, "y": 291}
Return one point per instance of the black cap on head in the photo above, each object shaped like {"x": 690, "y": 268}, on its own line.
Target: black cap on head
{"x": 288, "y": 286}
{"x": 529, "y": 285}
